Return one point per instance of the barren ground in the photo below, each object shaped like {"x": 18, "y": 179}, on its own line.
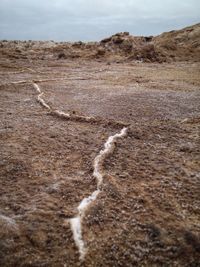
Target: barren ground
{"x": 148, "y": 212}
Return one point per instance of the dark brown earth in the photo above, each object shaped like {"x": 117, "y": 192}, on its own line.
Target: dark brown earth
{"x": 148, "y": 212}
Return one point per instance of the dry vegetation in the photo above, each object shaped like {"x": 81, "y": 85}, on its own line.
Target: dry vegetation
{"x": 182, "y": 45}
{"x": 148, "y": 211}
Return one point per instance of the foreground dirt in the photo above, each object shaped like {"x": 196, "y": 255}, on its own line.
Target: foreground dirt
{"x": 148, "y": 212}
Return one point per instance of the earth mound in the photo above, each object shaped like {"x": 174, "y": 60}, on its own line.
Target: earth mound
{"x": 181, "y": 45}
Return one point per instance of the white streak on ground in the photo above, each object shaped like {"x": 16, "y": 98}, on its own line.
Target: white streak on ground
{"x": 77, "y": 234}
{"x": 97, "y": 173}
{"x": 42, "y": 102}
{"x": 18, "y": 82}
{"x": 37, "y": 88}
{"x": 58, "y": 113}
{"x": 108, "y": 149}
{"x": 61, "y": 114}
{"x": 40, "y": 99}
{"x": 8, "y": 222}
{"x": 7, "y": 219}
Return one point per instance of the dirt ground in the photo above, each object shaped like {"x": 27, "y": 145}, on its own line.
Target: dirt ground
{"x": 148, "y": 213}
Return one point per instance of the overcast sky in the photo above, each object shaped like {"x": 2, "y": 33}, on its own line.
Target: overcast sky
{"x": 86, "y": 20}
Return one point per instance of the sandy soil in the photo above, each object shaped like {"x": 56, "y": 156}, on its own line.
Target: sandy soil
{"x": 148, "y": 211}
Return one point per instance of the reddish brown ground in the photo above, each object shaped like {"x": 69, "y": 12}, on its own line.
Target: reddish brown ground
{"x": 148, "y": 213}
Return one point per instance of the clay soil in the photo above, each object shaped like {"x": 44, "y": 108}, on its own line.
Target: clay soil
{"x": 148, "y": 212}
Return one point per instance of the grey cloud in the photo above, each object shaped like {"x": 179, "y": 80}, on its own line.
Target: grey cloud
{"x": 92, "y": 19}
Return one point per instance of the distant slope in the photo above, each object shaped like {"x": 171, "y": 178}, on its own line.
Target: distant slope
{"x": 180, "y": 45}
{"x": 175, "y": 45}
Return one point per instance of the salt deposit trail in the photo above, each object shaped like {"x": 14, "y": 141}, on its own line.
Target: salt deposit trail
{"x": 83, "y": 206}
{"x": 108, "y": 149}
{"x": 58, "y": 113}
{"x": 8, "y": 222}
{"x": 76, "y": 222}
{"x": 40, "y": 99}
{"x": 37, "y": 81}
